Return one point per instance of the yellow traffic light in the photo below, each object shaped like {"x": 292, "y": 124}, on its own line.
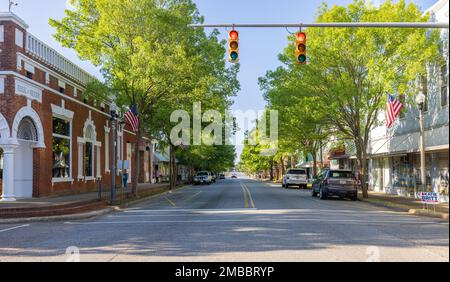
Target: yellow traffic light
{"x": 300, "y": 48}
{"x": 233, "y": 46}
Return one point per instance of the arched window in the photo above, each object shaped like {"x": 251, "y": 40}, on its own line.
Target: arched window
{"x": 27, "y": 130}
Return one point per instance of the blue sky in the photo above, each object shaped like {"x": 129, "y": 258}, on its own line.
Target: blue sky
{"x": 258, "y": 47}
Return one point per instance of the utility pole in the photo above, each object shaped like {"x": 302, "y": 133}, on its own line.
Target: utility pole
{"x": 421, "y": 100}
{"x": 113, "y": 152}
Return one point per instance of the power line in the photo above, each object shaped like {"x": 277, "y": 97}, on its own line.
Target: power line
{"x": 333, "y": 24}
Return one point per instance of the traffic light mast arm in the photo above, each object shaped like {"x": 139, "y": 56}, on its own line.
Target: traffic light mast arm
{"x": 335, "y": 25}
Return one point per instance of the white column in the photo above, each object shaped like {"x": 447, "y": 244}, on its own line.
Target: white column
{"x": 8, "y": 173}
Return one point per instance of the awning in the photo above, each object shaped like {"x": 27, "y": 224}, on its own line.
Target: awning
{"x": 339, "y": 157}
{"x": 159, "y": 158}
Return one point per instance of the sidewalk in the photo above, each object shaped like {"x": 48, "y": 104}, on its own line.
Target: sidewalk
{"x": 411, "y": 205}
{"x": 72, "y": 204}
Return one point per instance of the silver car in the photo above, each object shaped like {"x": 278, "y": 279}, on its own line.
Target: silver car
{"x": 297, "y": 177}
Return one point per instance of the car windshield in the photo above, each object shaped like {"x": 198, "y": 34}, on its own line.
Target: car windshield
{"x": 342, "y": 174}
{"x": 297, "y": 171}
{"x": 203, "y": 173}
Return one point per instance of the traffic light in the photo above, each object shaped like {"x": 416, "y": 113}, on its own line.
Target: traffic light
{"x": 233, "y": 46}
{"x": 300, "y": 48}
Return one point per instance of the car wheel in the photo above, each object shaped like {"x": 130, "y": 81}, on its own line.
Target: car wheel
{"x": 354, "y": 198}
{"x": 286, "y": 186}
{"x": 322, "y": 195}
{"x": 282, "y": 185}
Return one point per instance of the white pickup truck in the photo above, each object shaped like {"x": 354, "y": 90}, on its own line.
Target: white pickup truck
{"x": 203, "y": 177}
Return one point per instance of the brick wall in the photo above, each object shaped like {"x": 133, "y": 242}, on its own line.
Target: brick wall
{"x": 10, "y": 104}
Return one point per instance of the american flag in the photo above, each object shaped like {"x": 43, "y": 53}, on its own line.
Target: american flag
{"x": 132, "y": 118}
{"x": 393, "y": 109}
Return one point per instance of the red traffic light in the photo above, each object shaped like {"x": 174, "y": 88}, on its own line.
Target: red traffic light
{"x": 301, "y": 37}
{"x": 234, "y": 35}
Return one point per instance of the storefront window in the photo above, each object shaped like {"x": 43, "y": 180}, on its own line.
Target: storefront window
{"x": 61, "y": 148}
{"x": 403, "y": 178}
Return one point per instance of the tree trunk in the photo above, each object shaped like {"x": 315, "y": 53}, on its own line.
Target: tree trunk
{"x": 314, "y": 163}
{"x": 173, "y": 168}
{"x": 135, "y": 176}
{"x": 362, "y": 167}
{"x": 271, "y": 170}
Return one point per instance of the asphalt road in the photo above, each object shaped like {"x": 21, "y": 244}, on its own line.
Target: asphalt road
{"x": 234, "y": 220}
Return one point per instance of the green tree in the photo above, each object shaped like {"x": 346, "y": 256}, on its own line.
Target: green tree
{"x": 351, "y": 69}
{"x": 144, "y": 49}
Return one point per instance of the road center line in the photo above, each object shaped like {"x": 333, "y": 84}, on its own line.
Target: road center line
{"x": 171, "y": 202}
{"x": 252, "y": 204}
{"x": 12, "y": 228}
{"x": 245, "y": 195}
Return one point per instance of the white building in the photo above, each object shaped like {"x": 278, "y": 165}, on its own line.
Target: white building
{"x": 394, "y": 164}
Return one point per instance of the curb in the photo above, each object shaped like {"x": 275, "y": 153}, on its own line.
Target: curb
{"x": 87, "y": 215}
{"x": 58, "y": 217}
{"x": 414, "y": 212}
{"x": 429, "y": 214}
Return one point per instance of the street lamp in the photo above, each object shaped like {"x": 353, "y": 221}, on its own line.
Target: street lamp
{"x": 420, "y": 100}
{"x": 113, "y": 110}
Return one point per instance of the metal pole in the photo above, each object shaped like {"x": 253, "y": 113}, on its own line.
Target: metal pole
{"x": 423, "y": 175}
{"x": 333, "y": 24}
{"x": 113, "y": 159}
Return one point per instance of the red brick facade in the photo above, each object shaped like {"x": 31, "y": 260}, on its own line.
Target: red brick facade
{"x": 14, "y": 61}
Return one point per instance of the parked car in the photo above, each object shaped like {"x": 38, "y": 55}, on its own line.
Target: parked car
{"x": 295, "y": 176}
{"x": 331, "y": 182}
{"x": 203, "y": 177}
{"x": 222, "y": 176}
{"x": 234, "y": 176}
{"x": 214, "y": 177}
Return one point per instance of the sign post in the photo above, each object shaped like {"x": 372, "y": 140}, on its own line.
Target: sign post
{"x": 429, "y": 198}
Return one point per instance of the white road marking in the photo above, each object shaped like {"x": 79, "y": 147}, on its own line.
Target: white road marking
{"x": 13, "y": 228}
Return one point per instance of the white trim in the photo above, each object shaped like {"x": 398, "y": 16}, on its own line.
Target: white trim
{"x": 53, "y": 91}
{"x": 2, "y": 33}
{"x": 129, "y": 132}
{"x": 29, "y": 68}
{"x": 31, "y": 113}
{"x": 80, "y": 165}
{"x": 19, "y": 37}
{"x": 62, "y": 180}
{"x": 23, "y": 58}
{"x": 28, "y": 90}
{"x": 61, "y": 84}
{"x": 2, "y": 85}
{"x": 90, "y": 178}
{"x": 4, "y": 130}
{"x": 61, "y": 112}
{"x": 8, "y": 16}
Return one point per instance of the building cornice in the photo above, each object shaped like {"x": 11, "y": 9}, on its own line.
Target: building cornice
{"x": 8, "y": 16}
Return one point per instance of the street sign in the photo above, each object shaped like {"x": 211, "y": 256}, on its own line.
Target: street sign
{"x": 429, "y": 198}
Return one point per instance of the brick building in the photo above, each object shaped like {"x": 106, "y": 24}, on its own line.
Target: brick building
{"x": 53, "y": 140}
